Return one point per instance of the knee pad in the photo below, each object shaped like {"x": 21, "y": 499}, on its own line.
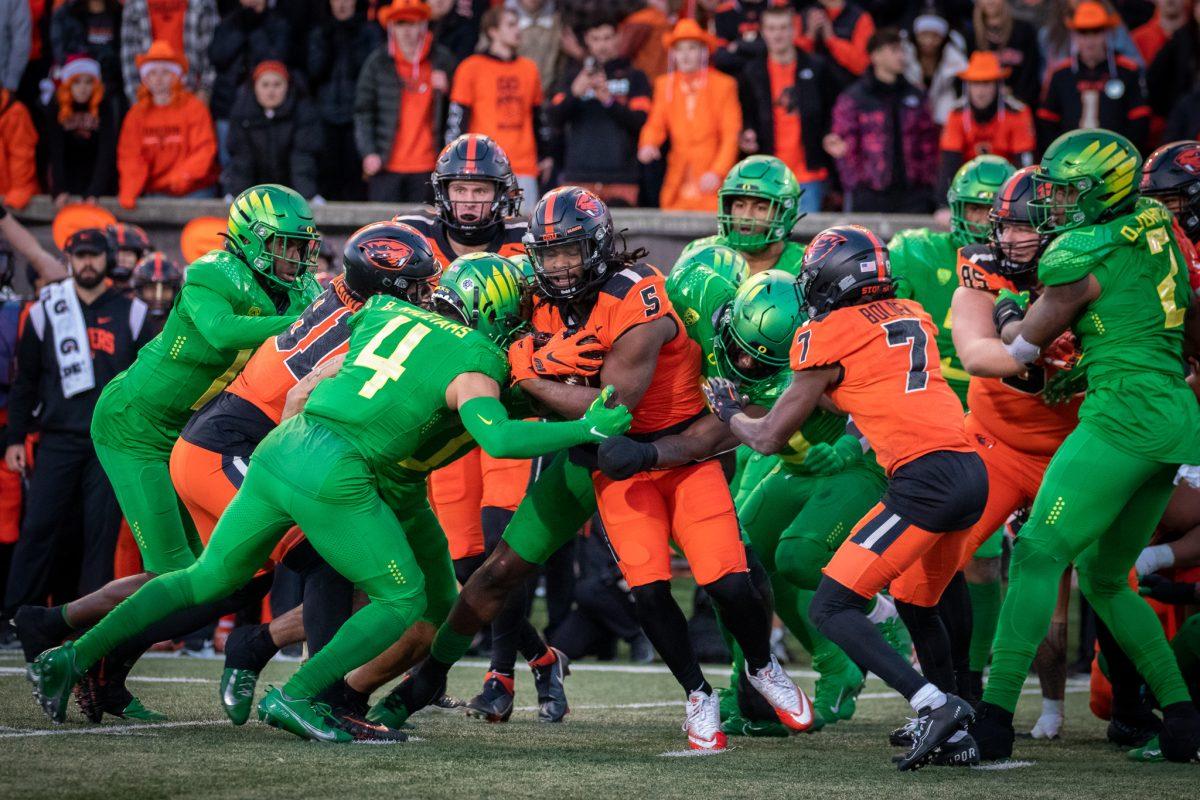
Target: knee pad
{"x": 831, "y": 599}
{"x": 799, "y": 561}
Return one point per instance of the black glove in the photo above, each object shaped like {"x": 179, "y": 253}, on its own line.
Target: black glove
{"x": 723, "y": 398}
{"x": 1165, "y": 590}
{"x": 1010, "y": 306}
{"x": 621, "y": 457}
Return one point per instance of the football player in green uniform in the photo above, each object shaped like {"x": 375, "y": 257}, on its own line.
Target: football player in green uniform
{"x": 412, "y": 380}
{"x": 1117, "y": 278}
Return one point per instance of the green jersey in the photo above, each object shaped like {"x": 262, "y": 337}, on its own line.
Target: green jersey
{"x": 221, "y": 316}
{"x": 1131, "y": 336}
{"x": 789, "y": 259}
{"x": 925, "y": 269}
{"x": 389, "y": 398}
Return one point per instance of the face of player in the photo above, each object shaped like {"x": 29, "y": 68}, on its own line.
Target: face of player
{"x": 420, "y": 294}
{"x": 981, "y": 93}
{"x": 750, "y": 215}
{"x": 289, "y": 254}
{"x": 976, "y": 213}
{"x": 1061, "y": 198}
{"x": 82, "y": 87}
{"x": 159, "y": 81}
{"x": 270, "y": 90}
{"x": 508, "y": 32}
{"x": 1092, "y": 46}
{"x": 750, "y": 366}
{"x": 776, "y": 31}
{"x": 1173, "y": 202}
{"x": 341, "y": 10}
{"x": 158, "y": 296}
{"x": 689, "y": 56}
{"x": 562, "y": 265}
{"x": 88, "y": 268}
{"x": 602, "y": 43}
{"x": 1018, "y": 242}
{"x": 127, "y": 259}
{"x": 471, "y": 200}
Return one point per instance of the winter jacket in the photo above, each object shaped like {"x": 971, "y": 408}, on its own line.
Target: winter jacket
{"x": 1072, "y": 90}
{"x": 541, "y": 38}
{"x": 941, "y": 93}
{"x": 169, "y": 149}
{"x": 813, "y": 94}
{"x": 198, "y": 24}
{"x": 281, "y": 147}
{"x": 861, "y": 117}
{"x": 82, "y": 151}
{"x": 242, "y": 40}
{"x": 1175, "y": 71}
{"x": 1184, "y": 122}
{"x": 377, "y": 100}
{"x": 336, "y": 54}
{"x": 73, "y": 30}
{"x": 1022, "y": 55}
{"x": 16, "y": 30}
{"x": 18, "y": 141}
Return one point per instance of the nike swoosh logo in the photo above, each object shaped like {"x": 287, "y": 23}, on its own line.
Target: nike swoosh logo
{"x": 484, "y": 421}
{"x": 595, "y": 432}
{"x": 316, "y": 732}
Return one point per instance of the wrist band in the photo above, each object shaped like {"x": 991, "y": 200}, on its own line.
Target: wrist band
{"x": 1022, "y": 351}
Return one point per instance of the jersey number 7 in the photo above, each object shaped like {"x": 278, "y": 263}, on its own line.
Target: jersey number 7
{"x": 388, "y": 368}
{"x": 908, "y": 332}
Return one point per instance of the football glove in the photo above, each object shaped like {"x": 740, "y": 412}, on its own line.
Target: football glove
{"x": 605, "y": 417}
{"x": 1165, "y": 590}
{"x": 578, "y": 353}
{"x": 824, "y": 458}
{"x": 723, "y": 398}
{"x": 621, "y": 457}
{"x": 1010, "y": 307}
{"x": 520, "y": 359}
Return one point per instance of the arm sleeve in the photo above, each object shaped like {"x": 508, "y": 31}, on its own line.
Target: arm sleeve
{"x": 486, "y": 419}
{"x": 220, "y": 326}
{"x": 23, "y": 397}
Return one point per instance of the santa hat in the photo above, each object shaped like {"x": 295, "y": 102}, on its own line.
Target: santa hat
{"x": 161, "y": 54}
{"x": 79, "y": 65}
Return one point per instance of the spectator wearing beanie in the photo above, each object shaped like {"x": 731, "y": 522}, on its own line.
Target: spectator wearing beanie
{"x": 398, "y": 105}
{"x": 696, "y": 108}
{"x": 274, "y": 135}
{"x": 18, "y": 142}
{"x": 499, "y": 94}
{"x": 337, "y": 49}
{"x": 81, "y": 134}
{"x": 883, "y": 136}
{"x": 186, "y": 25}
{"x": 838, "y": 31}
{"x": 935, "y": 56}
{"x": 1014, "y": 41}
{"x": 90, "y": 28}
{"x": 986, "y": 120}
{"x": 1175, "y": 71}
{"x": 16, "y": 31}
{"x": 167, "y": 144}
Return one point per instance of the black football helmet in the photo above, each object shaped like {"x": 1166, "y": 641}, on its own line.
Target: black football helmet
{"x": 156, "y": 280}
{"x": 391, "y": 258}
{"x": 570, "y": 217}
{"x": 1011, "y": 208}
{"x": 844, "y": 266}
{"x": 125, "y": 238}
{"x": 1172, "y": 174}
{"x": 474, "y": 157}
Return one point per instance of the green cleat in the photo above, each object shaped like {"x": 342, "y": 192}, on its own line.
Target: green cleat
{"x": 390, "y": 711}
{"x": 837, "y": 693}
{"x": 1149, "y": 753}
{"x": 54, "y": 675}
{"x": 301, "y": 717}
{"x": 734, "y": 724}
{"x": 897, "y": 636}
{"x": 237, "y": 693}
{"x": 135, "y": 710}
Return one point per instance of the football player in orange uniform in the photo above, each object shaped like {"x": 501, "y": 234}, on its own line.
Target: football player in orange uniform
{"x": 875, "y": 358}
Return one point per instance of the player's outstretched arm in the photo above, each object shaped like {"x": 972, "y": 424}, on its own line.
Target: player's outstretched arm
{"x": 1048, "y": 317}
{"x": 298, "y": 395}
{"x": 476, "y": 397}
{"x": 221, "y": 326}
{"x": 621, "y": 457}
{"x": 975, "y": 338}
{"x": 48, "y": 267}
{"x": 769, "y": 433}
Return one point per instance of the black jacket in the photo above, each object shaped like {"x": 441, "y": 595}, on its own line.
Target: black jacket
{"x": 83, "y": 159}
{"x": 116, "y": 331}
{"x": 377, "y": 100}
{"x": 73, "y": 30}
{"x": 283, "y": 147}
{"x": 336, "y": 54}
{"x": 1022, "y": 55}
{"x": 1184, "y": 122}
{"x": 1175, "y": 71}
{"x": 1067, "y": 92}
{"x": 241, "y": 41}
{"x": 813, "y": 94}
{"x": 599, "y": 143}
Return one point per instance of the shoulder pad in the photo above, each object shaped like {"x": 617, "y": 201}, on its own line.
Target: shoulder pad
{"x": 424, "y": 223}
{"x": 620, "y": 282}
{"x": 977, "y": 269}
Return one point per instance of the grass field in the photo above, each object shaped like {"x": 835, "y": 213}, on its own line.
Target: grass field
{"x": 616, "y": 743}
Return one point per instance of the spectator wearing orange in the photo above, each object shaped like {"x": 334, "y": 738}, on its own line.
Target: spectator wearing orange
{"x": 167, "y": 145}
{"x": 499, "y": 93}
{"x": 642, "y": 35}
{"x": 839, "y": 31}
{"x": 186, "y": 25}
{"x": 986, "y": 120}
{"x": 398, "y": 103}
{"x": 1169, "y": 16}
{"x": 1015, "y": 43}
{"x": 81, "y": 134}
{"x": 697, "y": 108}
{"x": 18, "y": 142}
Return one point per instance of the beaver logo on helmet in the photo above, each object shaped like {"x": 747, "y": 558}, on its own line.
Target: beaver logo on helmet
{"x": 822, "y": 245}
{"x": 1189, "y": 160}
{"x": 589, "y": 204}
{"x": 387, "y": 254}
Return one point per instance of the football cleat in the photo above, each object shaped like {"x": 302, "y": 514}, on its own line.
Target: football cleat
{"x": 34, "y": 629}
{"x": 836, "y": 695}
{"x": 735, "y": 723}
{"x": 362, "y": 730}
{"x": 791, "y": 704}
{"x": 934, "y": 728}
{"x": 1149, "y": 753}
{"x": 54, "y": 676}
{"x": 993, "y": 732}
{"x": 703, "y": 722}
{"x": 237, "y": 693}
{"x": 135, "y": 710}
{"x": 960, "y": 751}
{"x": 495, "y": 702}
{"x": 1134, "y": 730}
{"x": 903, "y": 736}
{"x": 447, "y": 702}
{"x": 101, "y": 690}
{"x": 301, "y": 717}
{"x": 552, "y": 694}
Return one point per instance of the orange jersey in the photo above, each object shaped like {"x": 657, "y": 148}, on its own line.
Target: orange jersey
{"x": 502, "y": 97}
{"x": 1011, "y": 409}
{"x": 630, "y": 297}
{"x": 891, "y": 383}
{"x": 506, "y": 242}
{"x": 1008, "y": 134}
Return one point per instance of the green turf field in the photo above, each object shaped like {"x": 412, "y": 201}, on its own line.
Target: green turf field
{"x": 625, "y": 722}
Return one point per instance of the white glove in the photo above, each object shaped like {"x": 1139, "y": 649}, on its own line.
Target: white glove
{"x": 1189, "y": 474}
{"x": 1049, "y": 724}
{"x": 1153, "y": 559}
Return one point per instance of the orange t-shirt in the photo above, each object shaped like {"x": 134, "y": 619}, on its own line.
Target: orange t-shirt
{"x": 789, "y": 147}
{"x": 629, "y": 298}
{"x": 1008, "y": 134}
{"x": 502, "y": 96}
{"x": 412, "y": 146}
{"x": 891, "y": 385}
{"x": 166, "y": 21}
{"x": 1011, "y": 409}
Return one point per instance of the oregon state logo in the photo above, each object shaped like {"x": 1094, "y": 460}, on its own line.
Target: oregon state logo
{"x": 589, "y": 205}
{"x": 822, "y": 246}
{"x": 1189, "y": 160}
{"x": 387, "y": 254}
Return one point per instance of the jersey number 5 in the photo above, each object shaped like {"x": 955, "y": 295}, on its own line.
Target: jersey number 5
{"x": 651, "y": 301}
{"x": 388, "y": 368}
{"x": 908, "y": 332}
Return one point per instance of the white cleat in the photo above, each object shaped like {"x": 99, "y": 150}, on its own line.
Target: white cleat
{"x": 791, "y": 704}
{"x": 703, "y": 722}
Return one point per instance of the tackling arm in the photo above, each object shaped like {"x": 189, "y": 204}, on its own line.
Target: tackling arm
{"x": 1053, "y": 312}
{"x": 768, "y": 434}
{"x": 979, "y": 347}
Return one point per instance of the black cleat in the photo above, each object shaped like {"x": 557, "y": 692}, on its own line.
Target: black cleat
{"x": 1134, "y": 730}
{"x": 934, "y": 726}
{"x": 1180, "y": 737}
{"x": 961, "y": 753}
{"x": 552, "y": 694}
{"x": 102, "y": 691}
{"x": 993, "y": 732}
{"x": 447, "y": 702}
{"x": 903, "y": 736}
{"x": 36, "y": 630}
{"x": 495, "y": 702}
{"x": 363, "y": 730}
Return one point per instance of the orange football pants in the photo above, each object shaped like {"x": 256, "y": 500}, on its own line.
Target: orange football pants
{"x": 456, "y": 496}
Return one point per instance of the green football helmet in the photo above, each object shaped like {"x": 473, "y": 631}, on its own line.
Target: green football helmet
{"x": 754, "y": 334}
{"x": 269, "y": 224}
{"x": 766, "y": 178}
{"x": 483, "y": 290}
{"x": 725, "y": 261}
{"x": 976, "y": 183}
{"x": 524, "y": 266}
{"x": 1086, "y": 177}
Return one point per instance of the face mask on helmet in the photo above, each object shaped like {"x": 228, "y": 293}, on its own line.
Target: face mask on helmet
{"x": 969, "y": 221}
{"x": 565, "y": 269}
{"x": 1018, "y": 246}
{"x": 159, "y": 296}
{"x": 1055, "y": 206}
{"x": 736, "y": 361}
{"x": 750, "y": 222}
{"x": 292, "y": 255}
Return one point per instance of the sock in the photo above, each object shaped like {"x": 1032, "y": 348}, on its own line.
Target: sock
{"x": 931, "y": 642}
{"x": 928, "y": 696}
{"x": 62, "y": 626}
{"x": 747, "y": 616}
{"x": 449, "y": 646}
{"x": 667, "y": 629}
{"x": 985, "y": 614}
{"x": 545, "y": 659}
{"x": 880, "y": 608}
{"x": 365, "y": 635}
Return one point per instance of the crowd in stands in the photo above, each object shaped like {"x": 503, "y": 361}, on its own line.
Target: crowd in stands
{"x": 873, "y": 104}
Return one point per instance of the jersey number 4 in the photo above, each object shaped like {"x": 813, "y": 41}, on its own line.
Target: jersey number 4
{"x": 908, "y": 333}
{"x": 388, "y": 368}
